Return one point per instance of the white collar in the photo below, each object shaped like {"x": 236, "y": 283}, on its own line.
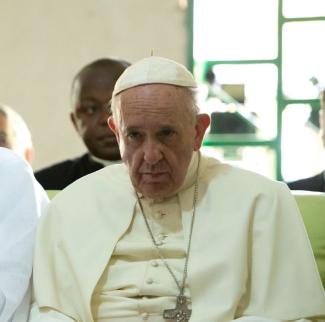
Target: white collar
{"x": 104, "y": 162}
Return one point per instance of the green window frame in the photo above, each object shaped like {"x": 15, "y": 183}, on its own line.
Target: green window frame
{"x": 282, "y": 101}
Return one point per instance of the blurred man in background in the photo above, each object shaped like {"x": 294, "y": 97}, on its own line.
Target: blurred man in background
{"x": 91, "y": 92}
{"x": 21, "y": 202}
{"x": 316, "y": 182}
{"x": 14, "y": 133}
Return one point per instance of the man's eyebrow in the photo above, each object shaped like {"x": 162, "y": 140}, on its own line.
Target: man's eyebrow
{"x": 132, "y": 128}
{"x": 167, "y": 126}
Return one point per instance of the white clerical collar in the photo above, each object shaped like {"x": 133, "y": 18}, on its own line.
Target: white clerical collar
{"x": 191, "y": 173}
{"x": 104, "y": 162}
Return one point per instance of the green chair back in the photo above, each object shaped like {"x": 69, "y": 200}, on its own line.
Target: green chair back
{"x": 51, "y": 193}
{"x": 312, "y": 208}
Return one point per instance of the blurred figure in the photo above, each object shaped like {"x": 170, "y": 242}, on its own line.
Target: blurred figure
{"x": 91, "y": 92}
{"x": 316, "y": 182}
{"x": 14, "y": 133}
{"x": 21, "y": 202}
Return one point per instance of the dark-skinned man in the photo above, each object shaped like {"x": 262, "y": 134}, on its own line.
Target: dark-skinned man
{"x": 91, "y": 91}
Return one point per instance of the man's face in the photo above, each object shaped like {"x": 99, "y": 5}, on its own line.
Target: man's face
{"x": 91, "y": 97}
{"x": 5, "y": 137}
{"x": 157, "y": 136}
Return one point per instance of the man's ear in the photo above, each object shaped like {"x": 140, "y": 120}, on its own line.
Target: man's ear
{"x": 29, "y": 155}
{"x": 202, "y": 123}
{"x": 113, "y": 127}
{"x": 74, "y": 121}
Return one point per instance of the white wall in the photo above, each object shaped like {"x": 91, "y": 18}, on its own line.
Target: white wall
{"x": 45, "y": 42}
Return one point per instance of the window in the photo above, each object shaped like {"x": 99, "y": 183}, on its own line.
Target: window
{"x": 260, "y": 70}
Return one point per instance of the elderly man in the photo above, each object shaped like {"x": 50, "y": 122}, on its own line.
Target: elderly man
{"x": 92, "y": 89}
{"x": 171, "y": 235}
{"x": 316, "y": 182}
{"x": 21, "y": 201}
{"x": 14, "y": 133}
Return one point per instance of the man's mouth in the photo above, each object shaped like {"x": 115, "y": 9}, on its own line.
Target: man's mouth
{"x": 154, "y": 176}
{"x": 107, "y": 138}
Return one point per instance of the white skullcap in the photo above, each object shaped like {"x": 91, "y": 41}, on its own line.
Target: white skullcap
{"x": 154, "y": 70}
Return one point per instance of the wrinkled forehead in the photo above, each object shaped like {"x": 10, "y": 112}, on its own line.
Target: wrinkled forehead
{"x": 154, "y": 104}
{"x": 93, "y": 80}
{"x": 153, "y": 98}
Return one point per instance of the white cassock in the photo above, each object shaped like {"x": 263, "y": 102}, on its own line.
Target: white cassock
{"x": 21, "y": 201}
{"x": 250, "y": 257}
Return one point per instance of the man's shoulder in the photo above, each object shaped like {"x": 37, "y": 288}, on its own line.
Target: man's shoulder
{"x": 9, "y": 156}
{"x": 108, "y": 179}
{"x": 238, "y": 179}
{"x": 61, "y": 174}
{"x": 63, "y": 165}
{"x": 313, "y": 183}
{"x": 12, "y": 163}
{"x": 96, "y": 192}
{"x": 56, "y": 167}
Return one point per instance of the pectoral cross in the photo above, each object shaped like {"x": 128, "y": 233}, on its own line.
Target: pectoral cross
{"x": 181, "y": 313}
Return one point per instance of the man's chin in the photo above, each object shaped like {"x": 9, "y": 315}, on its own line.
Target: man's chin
{"x": 156, "y": 191}
{"x": 107, "y": 154}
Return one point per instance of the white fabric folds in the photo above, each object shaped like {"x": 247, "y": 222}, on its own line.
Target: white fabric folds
{"x": 21, "y": 201}
{"x": 250, "y": 256}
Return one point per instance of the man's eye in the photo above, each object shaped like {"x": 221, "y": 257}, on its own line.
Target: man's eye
{"x": 165, "y": 133}
{"x": 90, "y": 110}
{"x": 134, "y": 135}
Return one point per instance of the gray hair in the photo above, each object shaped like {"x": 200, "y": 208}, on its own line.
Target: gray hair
{"x": 192, "y": 94}
{"x": 19, "y": 135}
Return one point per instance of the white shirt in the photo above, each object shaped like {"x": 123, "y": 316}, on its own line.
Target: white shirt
{"x": 21, "y": 201}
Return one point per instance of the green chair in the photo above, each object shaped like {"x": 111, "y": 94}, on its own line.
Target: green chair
{"x": 312, "y": 208}
{"x": 52, "y": 193}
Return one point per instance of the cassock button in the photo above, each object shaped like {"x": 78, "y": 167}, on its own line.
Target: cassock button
{"x": 145, "y": 316}
{"x": 160, "y": 239}
{"x": 149, "y": 281}
{"x": 154, "y": 264}
{"x": 161, "y": 214}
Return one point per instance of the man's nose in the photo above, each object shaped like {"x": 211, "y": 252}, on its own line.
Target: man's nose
{"x": 152, "y": 152}
{"x": 103, "y": 115}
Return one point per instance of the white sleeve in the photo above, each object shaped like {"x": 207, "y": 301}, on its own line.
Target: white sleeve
{"x": 21, "y": 200}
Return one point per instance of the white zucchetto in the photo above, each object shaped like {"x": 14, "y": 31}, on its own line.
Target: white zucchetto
{"x": 154, "y": 70}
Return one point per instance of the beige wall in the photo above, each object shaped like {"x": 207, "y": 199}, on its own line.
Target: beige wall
{"x": 45, "y": 42}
